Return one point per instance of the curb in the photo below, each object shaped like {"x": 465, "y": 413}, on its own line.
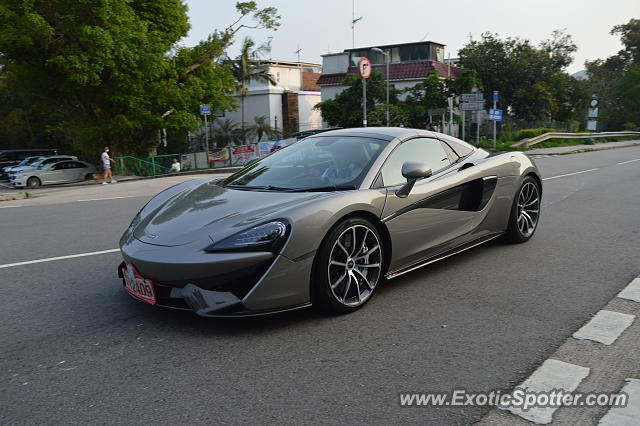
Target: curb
{"x": 195, "y": 172}
{"x": 14, "y": 196}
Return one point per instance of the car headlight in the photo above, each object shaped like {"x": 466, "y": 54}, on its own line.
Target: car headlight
{"x": 269, "y": 236}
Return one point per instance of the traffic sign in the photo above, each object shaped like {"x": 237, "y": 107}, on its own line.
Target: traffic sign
{"x": 365, "y": 68}
{"x": 472, "y": 97}
{"x": 495, "y": 114}
{"x": 205, "y": 109}
{"x": 495, "y": 96}
{"x": 472, "y": 106}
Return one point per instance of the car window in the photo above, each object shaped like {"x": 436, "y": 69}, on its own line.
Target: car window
{"x": 314, "y": 162}
{"x": 424, "y": 150}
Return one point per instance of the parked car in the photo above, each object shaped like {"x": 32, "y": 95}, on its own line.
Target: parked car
{"x": 42, "y": 162}
{"x": 53, "y": 173}
{"x": 11, "y": 157}
{"x": 29, "y": 161}
{"x": 324, "y": 221}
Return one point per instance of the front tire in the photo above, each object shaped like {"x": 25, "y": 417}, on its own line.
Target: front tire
{"x": 525, "y": 212}
{"x": 33, "y": 182}
{"x": 348, "y": 267}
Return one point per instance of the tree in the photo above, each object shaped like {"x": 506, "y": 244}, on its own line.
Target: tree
{"x": 247, "y": 68}
{"x": 531, "y": 80}
{"x": 110, "y": 71}
{"x": 615, "y": 81}
{"x": 430, "y": 93}
{"x": 226, "y": 132}
{"x": 345, "y": 110}
{"x": 261, "y": 128}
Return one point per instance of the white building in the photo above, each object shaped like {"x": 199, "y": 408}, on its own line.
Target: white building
{"x": 409, "y": 64}
{"x": 289, "y": 104}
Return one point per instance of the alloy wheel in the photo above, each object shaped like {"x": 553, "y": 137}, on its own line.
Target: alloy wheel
{"x": 355, "y": 265}
{"x": 528, "y": 208}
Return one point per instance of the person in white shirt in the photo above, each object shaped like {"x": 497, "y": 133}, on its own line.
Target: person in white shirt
{"x": 106, "y": 165}
{"x": 175, "y": 166}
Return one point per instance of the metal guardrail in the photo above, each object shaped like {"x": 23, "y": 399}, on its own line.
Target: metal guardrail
{"x": 526, "y": 143}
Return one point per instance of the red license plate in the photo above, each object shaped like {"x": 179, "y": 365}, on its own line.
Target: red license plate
{"x": 137, "y": 285}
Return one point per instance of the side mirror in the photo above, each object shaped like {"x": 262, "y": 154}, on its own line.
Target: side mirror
{"x": 412, "y": 171}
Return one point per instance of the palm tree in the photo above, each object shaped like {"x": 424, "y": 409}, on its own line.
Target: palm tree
{"x": 225, "y": 132}
{"x": 261, "y": 127}
{"x": 247, "y": 68}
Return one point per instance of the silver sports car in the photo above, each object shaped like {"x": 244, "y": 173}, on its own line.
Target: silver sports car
{"x": 324, "y": 221}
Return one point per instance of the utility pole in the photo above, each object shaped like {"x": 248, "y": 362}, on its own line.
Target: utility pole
{"x": 495, "y": 106}
{"x": 354, "y": 20}
{"x": 387, "y": 59}
{"x": 450, "y": 99}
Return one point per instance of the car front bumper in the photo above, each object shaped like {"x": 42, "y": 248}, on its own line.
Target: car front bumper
{"x": 220, "y": 284}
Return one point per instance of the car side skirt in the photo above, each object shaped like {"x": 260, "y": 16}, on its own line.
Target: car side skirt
{"x": 444, "y": 255}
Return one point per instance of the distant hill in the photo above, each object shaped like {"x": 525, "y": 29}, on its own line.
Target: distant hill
{"x": 580, "y": 75}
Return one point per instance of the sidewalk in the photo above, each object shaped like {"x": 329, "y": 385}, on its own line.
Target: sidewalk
{"x": 559, "y": 150}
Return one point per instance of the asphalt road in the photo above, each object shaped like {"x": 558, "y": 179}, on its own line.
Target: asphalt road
{"x": 77, "y": 350}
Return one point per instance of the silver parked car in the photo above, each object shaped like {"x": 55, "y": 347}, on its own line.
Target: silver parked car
{"x": 53, "y": 173}
{"x": 324, "y": 221}
{"x": 43, "y": 161}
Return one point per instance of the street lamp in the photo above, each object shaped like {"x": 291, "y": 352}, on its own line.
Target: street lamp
{"x": 387, "y": 58}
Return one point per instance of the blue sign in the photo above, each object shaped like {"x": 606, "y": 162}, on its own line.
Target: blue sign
{"x": 205, "y": 109}
{"x": 495, "y": 96}
{"x": 495, "y": 114}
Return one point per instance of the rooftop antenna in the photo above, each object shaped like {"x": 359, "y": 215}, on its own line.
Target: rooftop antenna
{"x": 354, "y": 21}
{"x": 470, "y": 37}
{"x": 269, "y": 39}
{"x": 298, "y": 53}
{"x": 425, "y": 36}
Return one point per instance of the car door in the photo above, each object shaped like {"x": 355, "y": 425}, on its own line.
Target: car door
{"x": 438, "y": 211}
{"x": 53, "y": 173}
{"x": 74, "y": 171}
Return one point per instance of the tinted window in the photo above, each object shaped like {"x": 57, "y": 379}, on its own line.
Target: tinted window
{"x": 424, "y": 150}
{"x": 314, "y": 162}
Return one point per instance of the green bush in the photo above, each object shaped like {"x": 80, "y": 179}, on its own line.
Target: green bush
{"x": 530, "y": 133}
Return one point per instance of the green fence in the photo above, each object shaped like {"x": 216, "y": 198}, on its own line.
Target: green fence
{"x": 132, "y": 166}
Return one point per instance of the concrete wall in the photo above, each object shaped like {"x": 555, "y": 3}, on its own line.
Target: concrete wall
{"x": 335, "y": 63}
{"x": 309, "y": 118}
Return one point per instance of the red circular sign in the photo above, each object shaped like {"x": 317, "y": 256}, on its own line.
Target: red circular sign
{"x": 365, "y": 67}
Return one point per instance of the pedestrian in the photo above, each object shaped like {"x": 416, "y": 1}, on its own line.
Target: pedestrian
{"x": 106, "y": 165}
{"x": 175, "y": 166}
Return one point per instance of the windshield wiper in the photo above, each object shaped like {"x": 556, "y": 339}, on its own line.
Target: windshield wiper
{"x": 325, "y": 188}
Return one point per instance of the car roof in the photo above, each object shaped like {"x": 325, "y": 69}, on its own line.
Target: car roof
{"x": 390, "y": 133}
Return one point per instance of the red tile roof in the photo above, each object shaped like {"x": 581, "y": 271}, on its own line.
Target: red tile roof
{"x": 397, "y": 71}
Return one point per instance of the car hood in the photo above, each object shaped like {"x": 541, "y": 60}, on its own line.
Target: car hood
{"x": 22, "y": 168}
{"x": 186, "y": 213}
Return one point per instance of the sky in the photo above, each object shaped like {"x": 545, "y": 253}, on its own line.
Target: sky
{"x": 324, "y": 26}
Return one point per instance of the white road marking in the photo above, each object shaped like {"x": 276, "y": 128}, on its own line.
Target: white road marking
{"x": 605, "y": 327}
{"x": 632, "y": 291}
{"x": 110, "y": 198}
{"x": 629, "y": 415}
{"x": 8, "y": 207}
{"x": 572, "y": 174}
{"x": 551, "y": 375}
{"x": 630, "y": 161}
{"x": 51, "y": 259}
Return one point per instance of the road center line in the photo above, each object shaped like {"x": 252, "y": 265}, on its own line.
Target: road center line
{"x": 572, "y": 174}
{"x": 630, "y": 161}
{"x": 51, "y": 259}
{"x": 110, "y": 198}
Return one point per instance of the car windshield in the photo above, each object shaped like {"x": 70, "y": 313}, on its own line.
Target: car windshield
{"x": 320, "y": 162}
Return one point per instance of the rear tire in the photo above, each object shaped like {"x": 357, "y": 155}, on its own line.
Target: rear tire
{"x": 33, "y": 182}
{"x": 525, "y": 212}
{"x": 348, "y": 267}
